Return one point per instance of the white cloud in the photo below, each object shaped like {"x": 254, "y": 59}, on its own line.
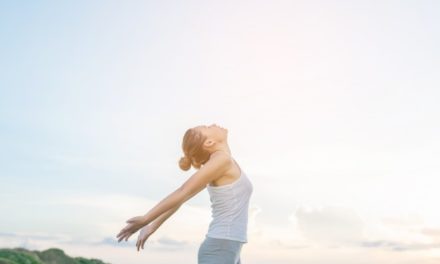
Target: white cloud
{"x": 329, "y": 225}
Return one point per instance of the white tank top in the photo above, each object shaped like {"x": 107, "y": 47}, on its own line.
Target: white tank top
{"x": 230, "y": 205}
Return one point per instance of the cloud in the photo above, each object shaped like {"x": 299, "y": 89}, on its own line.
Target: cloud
{"x": 329, "y": 225}
{"x": 405, "y": 219}
{"x": 110, "y": 241}
{"x": 431, "y": 232}
{"x": 33, "y": 236}
{"x": 398, "y": 246}
{"x": 37, "y": 241}
{"x": 279, "y": 243}
{"x": 27, "y": 238}
{"x": 170, "y": 243}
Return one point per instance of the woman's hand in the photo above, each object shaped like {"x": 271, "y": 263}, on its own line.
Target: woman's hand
{"x": 134, "y": 224}
{"x": 144, "y": 234}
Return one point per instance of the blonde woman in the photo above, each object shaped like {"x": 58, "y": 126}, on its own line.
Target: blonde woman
{"x": 206, "y": 149}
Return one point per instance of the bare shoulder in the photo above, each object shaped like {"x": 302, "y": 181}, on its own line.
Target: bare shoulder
{"x": 217, "y": 165}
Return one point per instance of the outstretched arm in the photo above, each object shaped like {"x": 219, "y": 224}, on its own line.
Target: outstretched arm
{"x": 148, "y": 230}
{"x": 163, "y": 217}
{"x": 214, "y": 168}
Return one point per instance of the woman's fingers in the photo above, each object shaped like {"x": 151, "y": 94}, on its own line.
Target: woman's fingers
{"x": 129, "y": 235}
{"x": 125, "y": 236}
{"x": 143, "y": 243}
{"x": 120, "y": 234}
{"x": 128, "y": 230}
{"x": 122, "y": 237}
{"x": 139, "y": 244}
{"x": 123, "y": 231}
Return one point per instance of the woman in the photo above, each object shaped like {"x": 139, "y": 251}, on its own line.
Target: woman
{"x": 206, "y": 149}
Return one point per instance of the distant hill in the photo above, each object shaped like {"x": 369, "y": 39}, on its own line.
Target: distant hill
{"x": 49, "y": 256}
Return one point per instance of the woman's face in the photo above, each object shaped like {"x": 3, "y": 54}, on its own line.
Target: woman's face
{"x": 214, "y": 132}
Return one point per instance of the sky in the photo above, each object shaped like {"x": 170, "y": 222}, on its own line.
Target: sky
{"x": 331, "y": 108}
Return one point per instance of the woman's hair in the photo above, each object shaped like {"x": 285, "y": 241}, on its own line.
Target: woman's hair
{"x": 192, "y": 146}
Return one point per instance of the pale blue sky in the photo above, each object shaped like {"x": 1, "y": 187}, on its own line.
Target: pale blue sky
{"x": 331, "y": 108}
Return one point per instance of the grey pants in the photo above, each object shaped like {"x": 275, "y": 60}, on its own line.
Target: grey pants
{"x": 219, "y": 251}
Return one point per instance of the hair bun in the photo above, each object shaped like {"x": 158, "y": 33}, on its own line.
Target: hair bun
{"x": 185, "y": 163}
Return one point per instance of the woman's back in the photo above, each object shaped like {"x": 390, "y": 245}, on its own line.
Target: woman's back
{"x": 230, "y": 205}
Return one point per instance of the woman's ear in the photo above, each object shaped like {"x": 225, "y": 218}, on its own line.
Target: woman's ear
{"x": 209, "y": 143}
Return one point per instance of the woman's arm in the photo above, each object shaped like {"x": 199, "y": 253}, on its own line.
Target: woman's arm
{"x": 213, "y": 169}
{"x": 148, "y": 230}
{"x": 216, "y": 166}
{"x": 163, "y": 217}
